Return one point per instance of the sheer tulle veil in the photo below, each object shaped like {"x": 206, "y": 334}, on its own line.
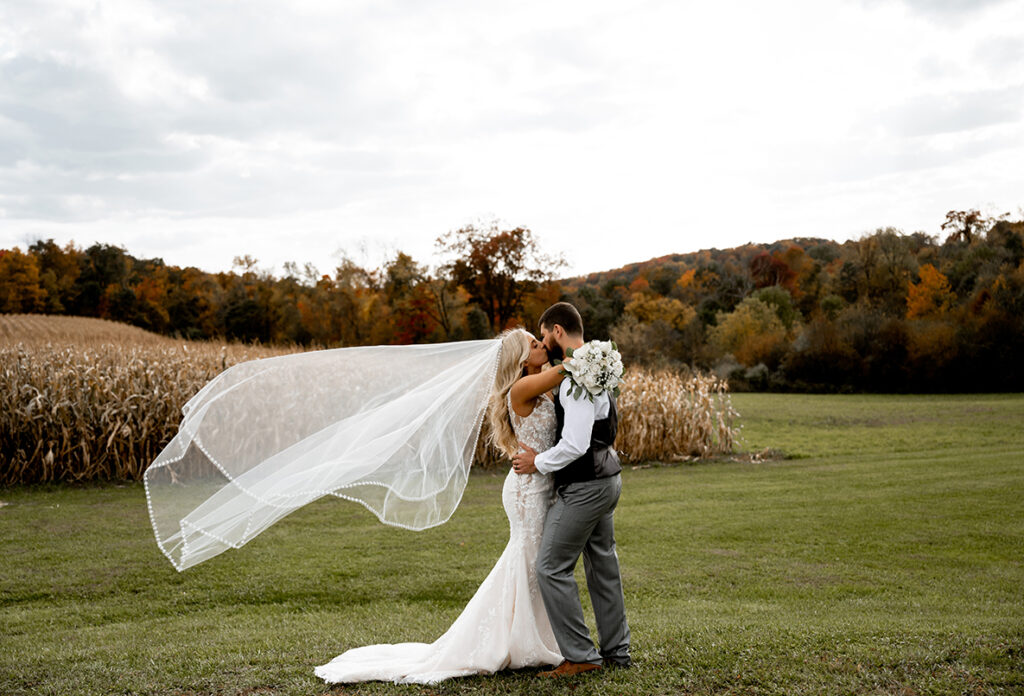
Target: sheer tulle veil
{"x": 391, "y": 427}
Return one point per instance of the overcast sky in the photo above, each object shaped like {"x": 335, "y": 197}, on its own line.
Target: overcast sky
{"x": 198, "y": 130}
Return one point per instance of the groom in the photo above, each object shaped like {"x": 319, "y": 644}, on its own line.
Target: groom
{"x": 587, "y": 482}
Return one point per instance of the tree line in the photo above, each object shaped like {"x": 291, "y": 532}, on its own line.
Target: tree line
{"x": 887, "y": 312}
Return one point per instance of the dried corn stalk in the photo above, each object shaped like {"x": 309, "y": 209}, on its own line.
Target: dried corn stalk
{"x": 89, "y": 399}
{"x": 666, "y": 415}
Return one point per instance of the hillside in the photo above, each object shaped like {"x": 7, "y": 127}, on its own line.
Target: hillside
{"x": 673, "y": 265}
{"x": 886, "y": 312}
{"x": 78, "y": 330}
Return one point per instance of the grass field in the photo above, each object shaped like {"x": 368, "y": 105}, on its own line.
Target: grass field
{"x": 884, "y": 556}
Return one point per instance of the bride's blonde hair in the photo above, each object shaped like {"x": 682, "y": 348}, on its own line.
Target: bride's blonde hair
{"x": 515, "y": 351}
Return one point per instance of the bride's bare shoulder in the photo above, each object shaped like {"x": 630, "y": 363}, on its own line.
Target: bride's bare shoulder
{"x": 521, "y": 408}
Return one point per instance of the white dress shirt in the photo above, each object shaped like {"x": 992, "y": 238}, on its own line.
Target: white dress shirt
{"x": 577, "y": 428}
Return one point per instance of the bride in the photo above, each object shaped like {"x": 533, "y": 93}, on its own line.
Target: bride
{"x": 504, "y": 625}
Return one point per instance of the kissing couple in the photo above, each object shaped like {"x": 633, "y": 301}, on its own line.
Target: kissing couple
{"x": 560, "y": 497}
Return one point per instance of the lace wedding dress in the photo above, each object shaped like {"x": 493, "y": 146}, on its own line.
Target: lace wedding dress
{"x": 504, "y": 625}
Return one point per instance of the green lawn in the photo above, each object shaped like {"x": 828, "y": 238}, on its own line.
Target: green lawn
{"x": 885, "y": 555}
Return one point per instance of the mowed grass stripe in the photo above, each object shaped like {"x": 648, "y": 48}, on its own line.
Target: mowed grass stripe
{"x": 829, "y": 426}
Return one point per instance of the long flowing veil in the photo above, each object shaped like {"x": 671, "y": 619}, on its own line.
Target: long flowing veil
{"x": 391, "y": 427}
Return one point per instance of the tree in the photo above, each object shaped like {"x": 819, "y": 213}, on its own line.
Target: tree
{"x": 19, "y": 282}
{"x": 414, "y": 309}
{"x": 819, "y": 357}
{"x": 713, "y": 288}
{"x": 648, "y": 308}
{"x": 246, "y": 311}
{"x": 896, "y": 264}
{"x": 244, "y": 320}
{"x": 931, "y": 296}
{"x": 1009, "y": 238}
{"x": 103, "y": 266}
{"x": 601, "y": 307}
{"x": 965, "y": 225}
{"x": 781, "y": 302}
{"x": 772, "y": 269}
{"x": 753, "y": 332}
{"x": 151, "y": 301}
{"x": 497, "y": 268}
{"x": 446, "y": 303}
{"x": 881, "y": 269}
{"x": 199, "y": 303}
{"x": 58, "y": 272}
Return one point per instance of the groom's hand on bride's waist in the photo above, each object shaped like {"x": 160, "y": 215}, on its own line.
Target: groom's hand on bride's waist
{"x": 522, "y": 462}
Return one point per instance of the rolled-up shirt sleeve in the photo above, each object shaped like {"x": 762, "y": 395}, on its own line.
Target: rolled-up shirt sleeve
{"x": 575, "y": 436}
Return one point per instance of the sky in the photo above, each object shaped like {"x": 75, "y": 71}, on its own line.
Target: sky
{"x": 201, "y": 130}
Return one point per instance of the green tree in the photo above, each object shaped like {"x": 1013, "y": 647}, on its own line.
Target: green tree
{"x": 752, "y": 332}
{"x": 781, "y": 302}
{"x": 58, "y": 269}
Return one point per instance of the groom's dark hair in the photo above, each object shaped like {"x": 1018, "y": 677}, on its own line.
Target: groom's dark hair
{"x": 565, "y": 315}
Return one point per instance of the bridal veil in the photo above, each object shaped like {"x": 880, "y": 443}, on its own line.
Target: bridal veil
{"x": 391, "y": 427}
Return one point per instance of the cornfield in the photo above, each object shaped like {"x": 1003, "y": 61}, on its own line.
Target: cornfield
{"x": 666, "y": 415}
{"x": 88, "y": 399}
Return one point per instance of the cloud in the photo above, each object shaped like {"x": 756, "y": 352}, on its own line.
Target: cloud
{"x": 1001, "y": 55}
{"x": 400, "y": 120}
{"x": 205, "y": 110}
{"x": 942, "y": 8}
{"x": 930, "y": 114}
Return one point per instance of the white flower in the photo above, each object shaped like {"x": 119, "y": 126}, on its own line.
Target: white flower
{"x": 595, "y": 367}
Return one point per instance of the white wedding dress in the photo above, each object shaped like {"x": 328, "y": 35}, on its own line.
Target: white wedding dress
{"x": 504, "y": 625}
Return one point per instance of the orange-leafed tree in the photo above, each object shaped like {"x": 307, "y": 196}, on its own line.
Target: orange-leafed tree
{"x": 640, "y": 284}
{"x": 19, "y": 282}
{"x": 686, "y": 279}
{"x": 697, "y": 283}
{"x": 151, "y": 299}
{"x": 931, "y": 296}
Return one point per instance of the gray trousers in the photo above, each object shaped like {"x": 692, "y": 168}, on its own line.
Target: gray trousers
{"x": 580, "y": 522}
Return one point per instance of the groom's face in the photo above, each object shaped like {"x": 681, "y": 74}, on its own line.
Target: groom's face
{"x": 554, "y": 350}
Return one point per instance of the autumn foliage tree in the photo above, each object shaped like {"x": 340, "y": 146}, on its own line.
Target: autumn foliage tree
{"x": 887, "y": 312}
{"x": 498, "y": 268}
{"x": 20, "y": 290}
{"x": 931, "y": 296}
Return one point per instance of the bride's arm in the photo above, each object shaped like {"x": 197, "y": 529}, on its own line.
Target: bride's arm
{"x": 530, "y": 387}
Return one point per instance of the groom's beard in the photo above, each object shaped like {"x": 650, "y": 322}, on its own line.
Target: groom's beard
{"x": 555, "y": 353}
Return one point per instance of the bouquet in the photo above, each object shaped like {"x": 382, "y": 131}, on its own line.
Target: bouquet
{"x": 596, "y": 366}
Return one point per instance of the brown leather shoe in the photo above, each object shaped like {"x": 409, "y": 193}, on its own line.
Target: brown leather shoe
{"x": 568, "y": 669}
